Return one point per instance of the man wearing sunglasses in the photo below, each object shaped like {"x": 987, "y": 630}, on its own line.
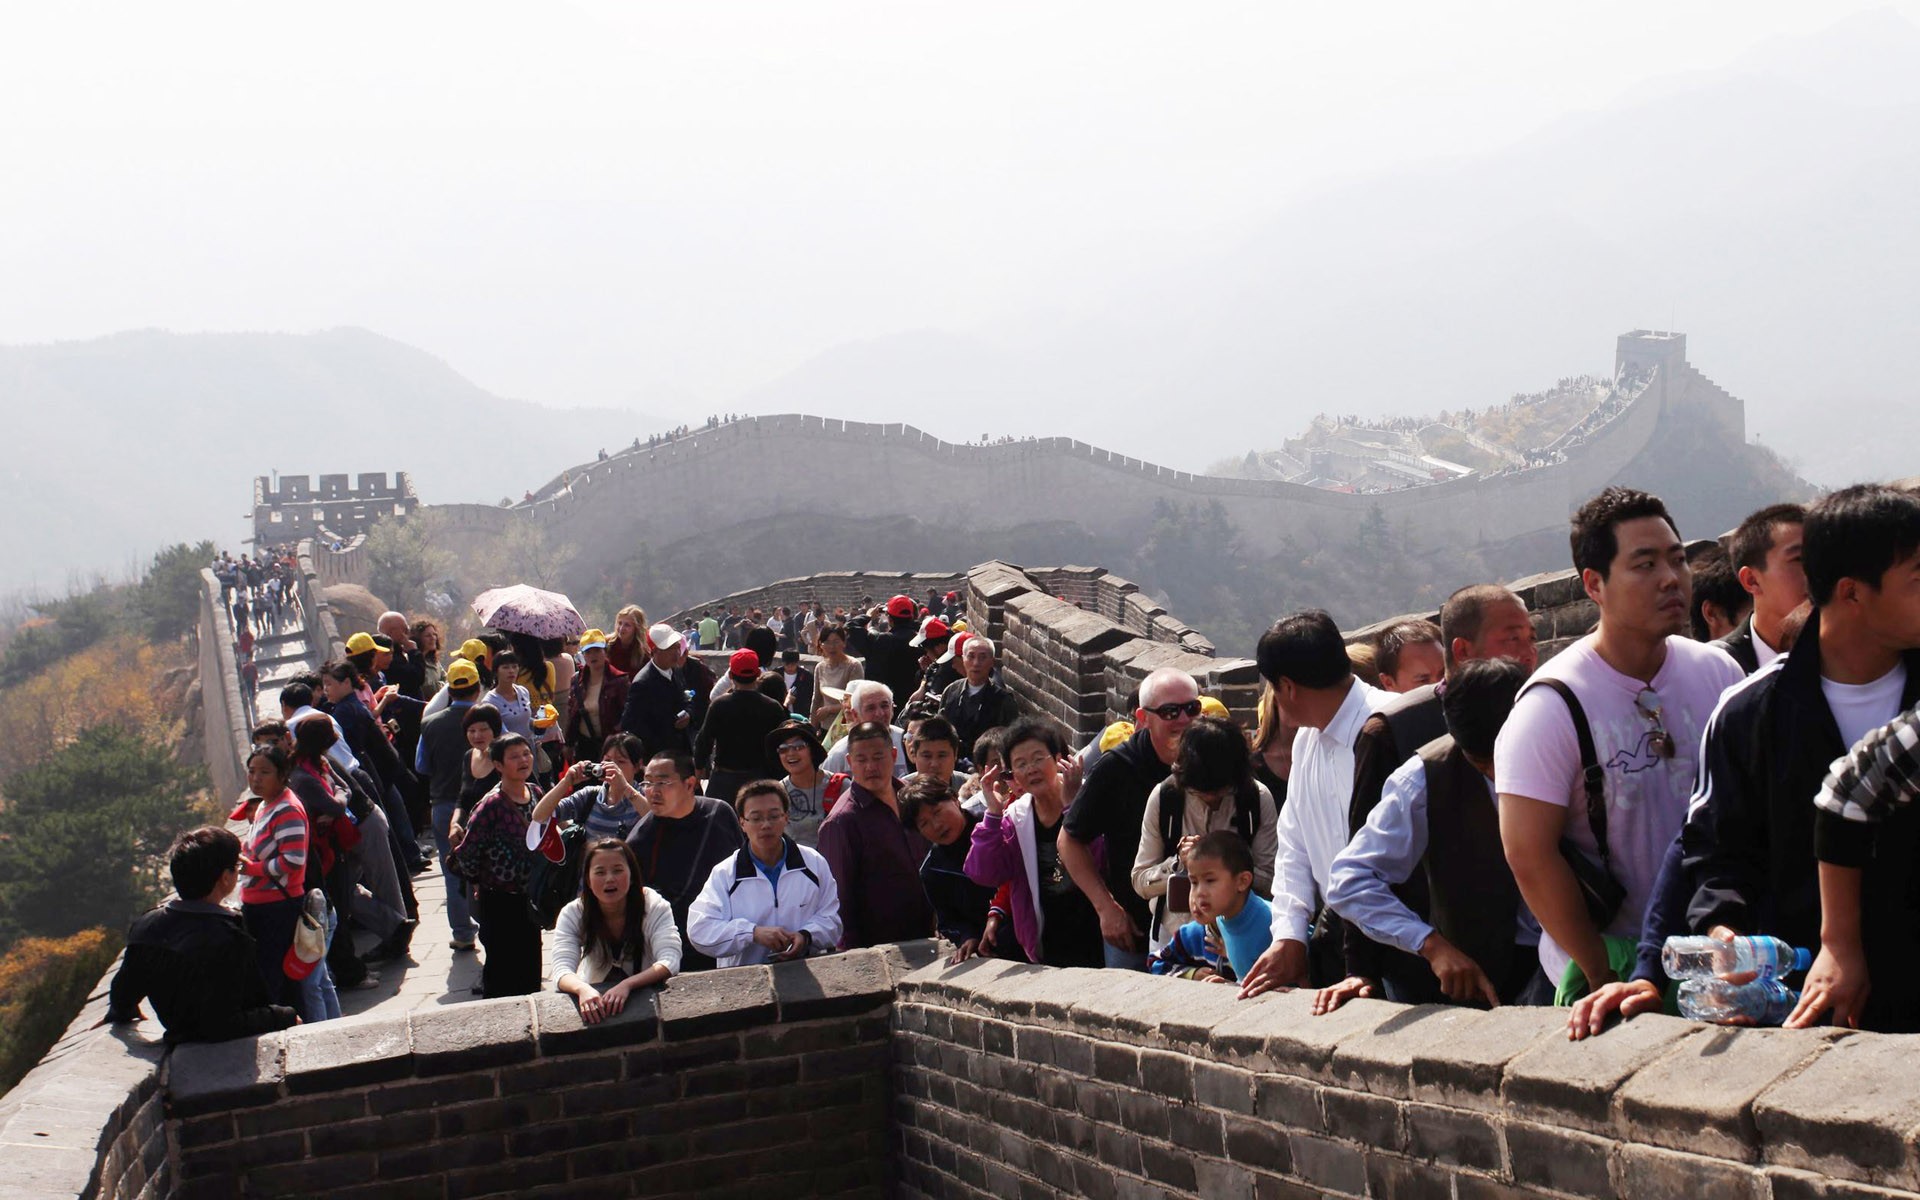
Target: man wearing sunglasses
{"x": 1112, "y": 803}
{"x": 1646, "y": 690}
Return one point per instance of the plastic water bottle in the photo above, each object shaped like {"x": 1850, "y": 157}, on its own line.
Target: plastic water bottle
{"x": 1765, "y": 1001}
{"x": 1701, "y": 957}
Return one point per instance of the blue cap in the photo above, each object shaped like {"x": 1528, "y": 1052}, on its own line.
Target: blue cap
{"x": 1802, "y": 958}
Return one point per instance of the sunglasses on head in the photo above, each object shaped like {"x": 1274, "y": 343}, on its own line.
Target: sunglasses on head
{"x": 1659, "y": 741}
{"x": 1173, "y": 712}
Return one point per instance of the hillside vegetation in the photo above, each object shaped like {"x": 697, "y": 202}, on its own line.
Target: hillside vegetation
{"x": 97, "y": 774}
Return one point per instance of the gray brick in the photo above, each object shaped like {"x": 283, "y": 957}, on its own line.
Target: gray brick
{"x": 342, "y": 1054}
{"x": 1465, "y": 1071}
{"x": 1285, "y": 1100}
{"x": 832, "y": 985}
{"x": 1851, "y": 1114}
{"x": 1168, "y": 1075}
{"x": 1226, "y": 1088}
{"x": 203, "y": 1077}
{"x": 1258, "y": 1145}
{"x": 1390, "y": 1177}
{"x": 1454, "y": 1136}
{"x": 1647, "y": 1171}
{"x": 1700, "y": 1097}
{"x": 1359, "y": 1117}
{"x": 1574, "y": 1083}
{"x": 1559, "y": 1159}
{"x": 469, "y": 1037}
{"x": 1198, "y": 1130}
{"x": 1333, "y": 1165}
{"x": 562, "y": 1031}
{"x": 704, "y": 1003}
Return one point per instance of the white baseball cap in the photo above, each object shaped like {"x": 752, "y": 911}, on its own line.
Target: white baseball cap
{"x": 663, "y": 636}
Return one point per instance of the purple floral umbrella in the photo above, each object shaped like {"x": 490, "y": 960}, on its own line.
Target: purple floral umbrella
{"x": 529, "y": 610}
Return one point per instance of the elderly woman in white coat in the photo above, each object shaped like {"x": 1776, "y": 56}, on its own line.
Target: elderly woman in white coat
{"x": 772, "y": 901}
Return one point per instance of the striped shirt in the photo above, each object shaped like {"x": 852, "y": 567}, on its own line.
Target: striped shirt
{"x": 275, "y": 854}
{"x": 1879, "y": 774}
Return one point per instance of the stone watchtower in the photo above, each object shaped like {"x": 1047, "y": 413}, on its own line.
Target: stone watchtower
{"x": 297, "y": 509}
{"x": 1641, "y": 348}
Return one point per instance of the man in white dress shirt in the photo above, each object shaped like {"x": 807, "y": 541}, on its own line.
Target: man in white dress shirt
{"x": 1304, "y": 660}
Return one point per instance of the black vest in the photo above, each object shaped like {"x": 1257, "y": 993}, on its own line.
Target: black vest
{"x": 1474, "y": 901}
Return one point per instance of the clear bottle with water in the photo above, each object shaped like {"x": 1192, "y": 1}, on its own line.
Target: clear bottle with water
{"x": 1702, "y": 957}
{"x": 1765, "y": 1001}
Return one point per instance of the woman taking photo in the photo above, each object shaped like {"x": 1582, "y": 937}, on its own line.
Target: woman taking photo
{"x": 273, "y": 867}
{"x": 493, "y": 856}
{"x": 607, "y": 808}
{"x": 1018, "y": 843}
{"x": 616, "y": 937}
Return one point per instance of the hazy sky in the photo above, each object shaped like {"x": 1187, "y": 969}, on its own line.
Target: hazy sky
{"x": 663, "y": 205}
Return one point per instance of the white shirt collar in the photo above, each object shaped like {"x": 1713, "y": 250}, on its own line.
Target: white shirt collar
{"x": 1360, "y": 703}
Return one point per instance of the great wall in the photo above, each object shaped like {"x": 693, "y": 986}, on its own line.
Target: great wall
{"x": 884, "y": 1073}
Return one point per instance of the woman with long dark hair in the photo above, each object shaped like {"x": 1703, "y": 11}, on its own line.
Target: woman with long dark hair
{"x": 617, "y": 936}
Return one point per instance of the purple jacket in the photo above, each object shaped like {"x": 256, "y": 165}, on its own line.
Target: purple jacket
{"x": 1003, "y": 852}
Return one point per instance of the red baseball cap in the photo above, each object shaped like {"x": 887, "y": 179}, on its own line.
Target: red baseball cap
{"x": 955, "y": 646}
{"x": 745, "y": 664}
{"x": 902, "y": 606}
{"x": 931, "y": 630}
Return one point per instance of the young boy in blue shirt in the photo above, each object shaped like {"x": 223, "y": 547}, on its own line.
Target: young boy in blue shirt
{"x": 1223, "y": 902}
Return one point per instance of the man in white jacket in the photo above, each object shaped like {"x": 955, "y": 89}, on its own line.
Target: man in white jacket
{"x": 772, "y": 901}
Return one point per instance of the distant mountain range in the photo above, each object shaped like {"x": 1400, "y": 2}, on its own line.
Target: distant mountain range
{"x": 123, "y": 444}
{"x": 1765, "y": 209}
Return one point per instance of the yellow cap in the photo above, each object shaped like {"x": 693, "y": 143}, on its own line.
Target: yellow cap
{"x": 474, "y": 650}
{"x": 1211, "y": 706}
{"x": 462, "y": 674}
{"x": 592, "y": 639}
{"x": 360, "y": 643}
{"x": 1114, "y": 734}
{"x": 545, "y": 716}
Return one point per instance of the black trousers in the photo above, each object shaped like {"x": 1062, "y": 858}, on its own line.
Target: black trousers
{"x": 271, "y": 926}
{"x": 512, "y": 941}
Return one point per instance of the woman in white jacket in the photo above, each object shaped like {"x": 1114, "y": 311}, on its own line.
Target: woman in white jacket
{"x": 772, "y": 901}
{"x": 616, "y": 936}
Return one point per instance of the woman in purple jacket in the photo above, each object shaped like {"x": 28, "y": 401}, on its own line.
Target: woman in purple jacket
{"x": 1017, "y": 843}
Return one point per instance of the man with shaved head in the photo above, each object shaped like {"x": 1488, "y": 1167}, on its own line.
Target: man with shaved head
{"x": 1113, "y": 804}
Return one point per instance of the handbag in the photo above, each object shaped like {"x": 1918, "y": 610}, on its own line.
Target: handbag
{"x": 309, "y": 936}
{"x": 1602, "y": 893}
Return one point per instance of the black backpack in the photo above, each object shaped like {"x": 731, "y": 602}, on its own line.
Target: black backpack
{"x": 1246, "y": 818}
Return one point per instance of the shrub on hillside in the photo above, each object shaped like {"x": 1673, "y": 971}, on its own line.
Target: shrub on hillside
{"x": 120, "y": 681}
{"x": 83, "y": 832}
{"x": 43, "y": 982}
{"x": 168, "y": 599}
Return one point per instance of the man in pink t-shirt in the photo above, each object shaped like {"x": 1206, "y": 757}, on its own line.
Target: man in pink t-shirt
{"x": 1647, "y": 691}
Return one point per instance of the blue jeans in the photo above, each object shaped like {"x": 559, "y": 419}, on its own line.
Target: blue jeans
{"x": 319, "y": 1001}
{"x": 459, "y": 911}
{"x": 1124, "y": 960}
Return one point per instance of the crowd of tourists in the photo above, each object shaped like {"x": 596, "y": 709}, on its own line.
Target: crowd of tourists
{"x": 1431, "y": 814}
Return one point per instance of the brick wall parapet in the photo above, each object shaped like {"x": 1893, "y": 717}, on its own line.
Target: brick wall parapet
{"x": 1013, "y": 1079}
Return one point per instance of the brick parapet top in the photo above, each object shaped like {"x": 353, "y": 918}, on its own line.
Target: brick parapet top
{"x": 1828, "y": 1101}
